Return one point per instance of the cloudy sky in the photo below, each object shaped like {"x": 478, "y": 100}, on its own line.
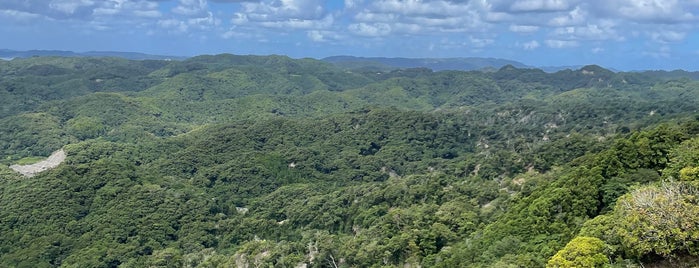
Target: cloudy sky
{"x": 622, "y": 34}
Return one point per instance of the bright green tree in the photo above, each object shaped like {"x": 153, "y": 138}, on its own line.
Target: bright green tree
{"x": 581, "y": 252}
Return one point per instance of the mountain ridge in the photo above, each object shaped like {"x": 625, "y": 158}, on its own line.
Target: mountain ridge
{"x": 436, "y": 64}
{"x": 10, "y": 54}
{"x": 230, "y": 160}
{"x": 356, "y": 62}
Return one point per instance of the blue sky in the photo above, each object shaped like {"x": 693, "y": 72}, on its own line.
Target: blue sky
{"x": 621, "y": 34}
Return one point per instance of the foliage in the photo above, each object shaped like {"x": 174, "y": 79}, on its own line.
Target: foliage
{"x": 659, "y": 220}
{"x": 581, "y": 252}
{"x": 233, "y": 160}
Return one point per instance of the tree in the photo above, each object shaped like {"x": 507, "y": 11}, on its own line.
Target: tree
{"x": 661, "y": 220}
{"x": 685, "y": 161}
{"x": 581, "y": 252}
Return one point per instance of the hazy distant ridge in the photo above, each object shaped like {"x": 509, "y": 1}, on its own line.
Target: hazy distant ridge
{"x": 437, "y": 64}
{"x": 10, "y": 54}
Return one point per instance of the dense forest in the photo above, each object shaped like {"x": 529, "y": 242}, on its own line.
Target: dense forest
{"x": 268, "y": 161}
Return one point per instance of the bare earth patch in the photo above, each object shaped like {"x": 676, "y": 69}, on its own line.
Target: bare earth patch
{"x": 55, "y": 159}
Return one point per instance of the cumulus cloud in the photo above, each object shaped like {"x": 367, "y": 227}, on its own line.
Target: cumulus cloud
{"x": 541, "y": 5}
{"x": 384, "y": 17}
{"x": 191, "y": 7}
{"x": 284, "y": 15}
{"x": 186, "y": 25}
{"x": 523, "y": 28}
{"x": 576, "y": 16}
{"x": 589, "y": 32}
{"x": 70, "y": 6}
{"x": 18, "y": 16}
{"x": 323, "y": 36}
{"x": 370, "y": 30}
{"x": 147, "y": 13}
{"x": 570, "y": 23}
{"x": 84, "y": 10}
{"x": 532, "y": 5}
{"x": 323, "y": 23}
{"x": 471, "y": 24}
{"x": 283, "y": 10}
{"x": 667, "y": 36}
{"x": 553, "y": 43}
{"x": 350, "y": 4}
{"x": 653, "y": 11}
{"x": 421, "y": 8}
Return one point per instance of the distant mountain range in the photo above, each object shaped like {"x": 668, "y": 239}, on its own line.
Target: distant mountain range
{"x": 436, "y": 64}
{"x": 352, "y": 62}
{"x": 10, "y": 54}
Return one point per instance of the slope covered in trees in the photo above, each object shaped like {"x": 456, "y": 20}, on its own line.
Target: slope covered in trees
{"x": 226, "y": 160}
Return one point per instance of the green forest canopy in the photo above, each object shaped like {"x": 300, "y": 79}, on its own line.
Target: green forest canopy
{"x": 230, "y": 160}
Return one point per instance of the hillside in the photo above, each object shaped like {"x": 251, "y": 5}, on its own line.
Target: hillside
{"x": 11, "y": 54}
{"x": 239, "y": 161}
{"x": 437, "y": 64}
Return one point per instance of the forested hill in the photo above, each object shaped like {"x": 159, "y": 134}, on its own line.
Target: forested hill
{"x": 268, "y": 161}
{"x": 11, "y": 54}
{"x": 437, "y": 64}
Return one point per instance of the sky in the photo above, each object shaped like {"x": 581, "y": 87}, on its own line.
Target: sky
{"x": 619, "y": 34}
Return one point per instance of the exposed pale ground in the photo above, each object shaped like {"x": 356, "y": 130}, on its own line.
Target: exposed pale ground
{"x": 55, "y": 159}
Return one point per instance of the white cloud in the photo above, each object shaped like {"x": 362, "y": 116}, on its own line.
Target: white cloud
{"x": 541, "y": 5}
{"x": 604, "y": 31}
{"x": 203, "y": 23}
{"x": 418, "y": 17}
{"x": 99, "y": 12}
{"x": 299, "y": 23}
{"x": 407, "y": 28}
{"x": 125, "y": 8}
{"x": 179, "y": 26}
{"x": 575, "y": 17}
{"x": 553, "y": 43}
{"x": 316, "y": 36}
{"x": 283, "y": 10}
{"x": 19, "y": 16}
{"x": 652, "y": 11}
{"x": 471, "y": 24}
{"x": 105, "y": 11}
{"x": 69, "y": 6}
{"x": 667, "y": 36}
{"x": 370, "y": 30}
{"x": 191, "y": 7}
{"x": 284, "y": 15}
{"x": 173, "y": 25}
{"x": 350, "y": 4}
{"x": 234, "y": 32}
{"x": 523, "y": 28}
{"x": 421, "y": 8}
{"x": 323, "y": 36}
{"x": 522, "y": 6}
{"x": 497, "y": 17}
{"x": 368, "y": 16}
{"x": 239, "y": 19}
{"x": 148, "y": 13}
